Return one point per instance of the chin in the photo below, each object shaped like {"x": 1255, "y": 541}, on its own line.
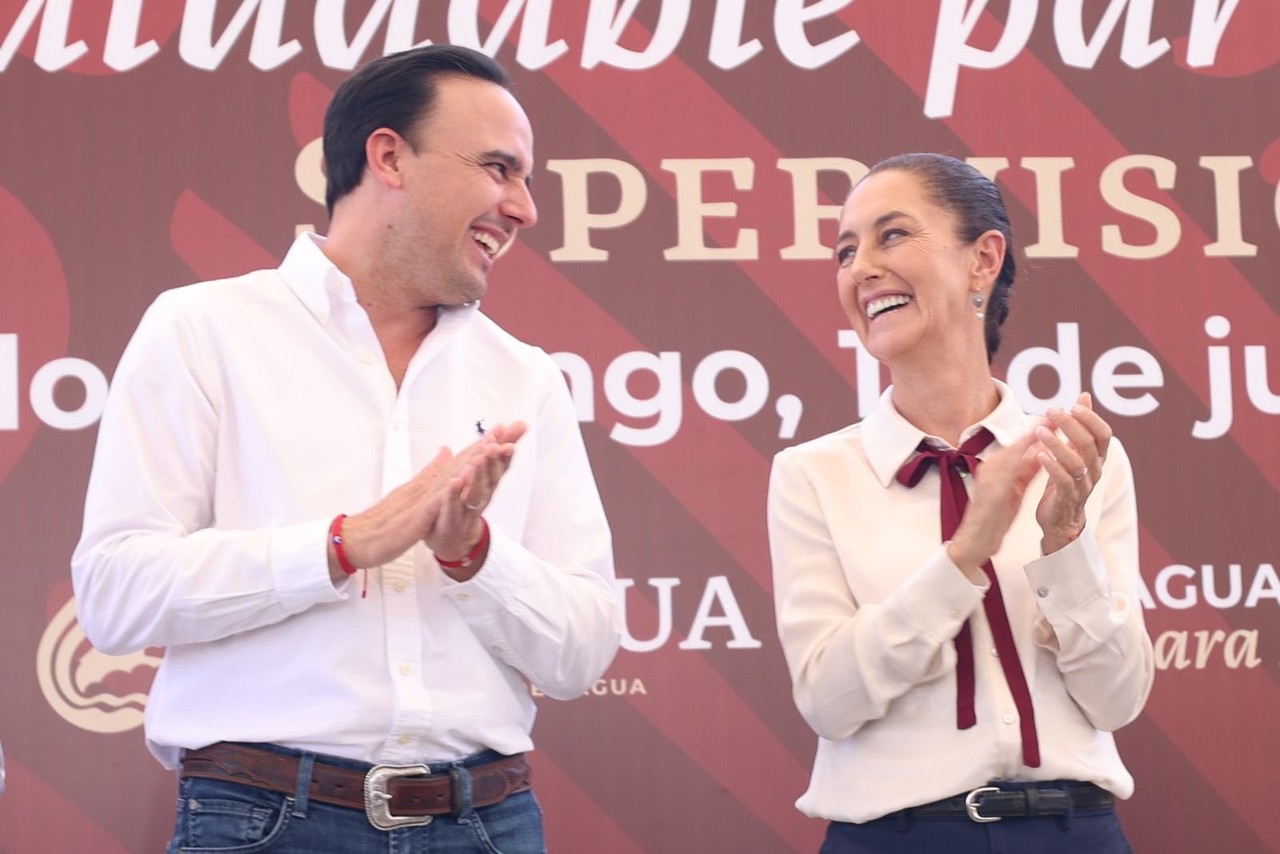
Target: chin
{"x": 892, "y": 348}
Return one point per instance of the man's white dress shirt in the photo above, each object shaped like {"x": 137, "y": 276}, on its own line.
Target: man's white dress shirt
{"x": 244, "y": 415}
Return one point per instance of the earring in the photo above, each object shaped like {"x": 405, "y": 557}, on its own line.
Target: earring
{"x": 978, "y": 302}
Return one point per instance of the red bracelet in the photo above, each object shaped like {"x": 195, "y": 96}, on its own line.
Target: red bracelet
{"x": 335, "y": 537}
{"x": 471, "y": 555}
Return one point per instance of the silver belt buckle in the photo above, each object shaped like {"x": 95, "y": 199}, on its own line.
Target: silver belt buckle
{"x": 377, "y": 800}
{"x": 971, "y": 804}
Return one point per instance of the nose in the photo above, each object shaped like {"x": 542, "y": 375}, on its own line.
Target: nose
{"x": 864, "y": 270}
{"x": 518, "y": 205}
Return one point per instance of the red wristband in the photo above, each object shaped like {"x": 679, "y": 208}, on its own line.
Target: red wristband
{"x": 335, "y": 537}
{"x": 471, "y": 556}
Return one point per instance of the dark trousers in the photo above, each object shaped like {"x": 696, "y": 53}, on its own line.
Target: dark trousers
{"x": 214, "y": 815}
{"x": 1084, "y": 832}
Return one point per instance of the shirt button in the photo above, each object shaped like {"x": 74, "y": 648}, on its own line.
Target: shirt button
{"x": 399, "y": 585}
{"x": 1042, "y": 592}
{"x": 955, "y": 615}
{"x": 366, "y": 357}
{"x": 496, "y": 647}
{"x": 405, "y": 669}
{"x": 462, "y": 597}
{"x": 1008, "y": 718}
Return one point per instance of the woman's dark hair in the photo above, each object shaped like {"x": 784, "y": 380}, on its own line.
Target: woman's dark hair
{"x": 397, "y": 92}
{"x": 977, "y": 205}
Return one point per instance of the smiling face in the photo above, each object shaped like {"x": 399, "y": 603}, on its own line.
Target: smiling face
{"x": 906, "y": 277}
{"x": 465, "y": 191}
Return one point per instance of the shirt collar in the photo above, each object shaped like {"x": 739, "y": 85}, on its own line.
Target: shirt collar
{"x": 313, "y": 278}
{"x": 889, "y": 440}
{"x": 321, "y": 286}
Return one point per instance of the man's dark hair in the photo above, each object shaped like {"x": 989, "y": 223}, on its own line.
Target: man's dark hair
{"x": 976, "y": 203}
{"x": 397, "y": 92}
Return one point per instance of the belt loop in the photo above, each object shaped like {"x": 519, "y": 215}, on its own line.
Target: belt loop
{"x": 302, "y": 789}
{"x": 904, "y": 821}
{"x": 1064, "y": 820}
{"x": 460, "y": 786}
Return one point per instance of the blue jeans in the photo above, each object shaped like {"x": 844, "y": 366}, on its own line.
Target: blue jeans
{"x": 1095, "y": 831}
{"x": 217, "y": 816}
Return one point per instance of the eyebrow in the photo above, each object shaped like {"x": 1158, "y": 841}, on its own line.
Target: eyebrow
{"x": 513, "y": 163}
{"x": 881, "y": 220}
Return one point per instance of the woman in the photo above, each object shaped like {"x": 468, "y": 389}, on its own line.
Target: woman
{"x": 963, "y": 649}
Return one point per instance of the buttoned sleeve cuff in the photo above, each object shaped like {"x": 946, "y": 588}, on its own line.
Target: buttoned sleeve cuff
{"x": 1066, "y": 584}
{"x": 488, "y": 590}
{"x": 300, "y": 567}
{"x": 938, "y": 598}
{"x": 1070, "y": 578}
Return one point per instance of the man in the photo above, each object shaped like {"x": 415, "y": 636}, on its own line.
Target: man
{"x": 350, "y": 682}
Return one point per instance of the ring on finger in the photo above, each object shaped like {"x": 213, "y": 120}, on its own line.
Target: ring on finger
{"x": 1082, "y": 475}
{"x": 477, "y": 506}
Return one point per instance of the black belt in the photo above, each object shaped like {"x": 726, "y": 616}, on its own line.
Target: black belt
{"x": 993, "y": 803}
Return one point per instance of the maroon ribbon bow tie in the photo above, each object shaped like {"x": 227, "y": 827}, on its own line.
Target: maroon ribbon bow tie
{"x": 952, "y": 466}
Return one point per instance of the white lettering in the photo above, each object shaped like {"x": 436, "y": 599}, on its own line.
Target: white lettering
{"x": 754, "y": 395}
{"x": 47, "y": 409}
{"x": 606, "y": 23}
{"x": 1105, "y": 382}
{"x": 1256, "y": 383}
{"x": 533, "y": 51}
{"x": 581, "y": 384}
{"x": 1165, "y": 577}
{"x": 1220, "y": 403}
{"x": 122, "y": 51}
{"x": 866, "y": 370}
{"x": 8, "y": 382}
{"x": 789, "y": 20}
{"x": 52, "y": 51}
{"x": 952, "y": 51}
{"x": 727, "y": 48}
{"x": 331, "y": 37}
{"x": 198, "y": 49}
{"x": 664, "y": 586}
{"x": 665, "y": 402}
{"x": 1136, "y": 49}
{"x": 1265, "y": 586}
{"x": 1064, "y": 361}
{"x": 1208, "y": 23}
{"x": 718, "y": 589}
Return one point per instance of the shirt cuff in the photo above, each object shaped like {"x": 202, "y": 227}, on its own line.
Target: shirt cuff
{"x": 1070, "y": 578}
{"x": 938, "y": 598}
{"x": 487, "y": 590}
{"x": 300, "y": 566}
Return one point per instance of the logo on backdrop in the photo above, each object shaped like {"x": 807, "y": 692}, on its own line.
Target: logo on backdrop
{"x": 95, "y": 692}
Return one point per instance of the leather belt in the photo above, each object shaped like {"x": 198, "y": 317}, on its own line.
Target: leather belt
{"x": 390, "y": 795}
{"x": 992, "y": 803}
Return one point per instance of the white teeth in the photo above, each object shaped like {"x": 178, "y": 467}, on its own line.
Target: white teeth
{"x": 881, "y": 304}
{"x": 488, "y": 241}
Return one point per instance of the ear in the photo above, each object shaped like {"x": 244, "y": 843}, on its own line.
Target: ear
{"x": 383, "y": 154}
{"x": 988, "y": 257}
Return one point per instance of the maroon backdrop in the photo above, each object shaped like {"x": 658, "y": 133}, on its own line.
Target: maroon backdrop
{"x": 691, "y": 155}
